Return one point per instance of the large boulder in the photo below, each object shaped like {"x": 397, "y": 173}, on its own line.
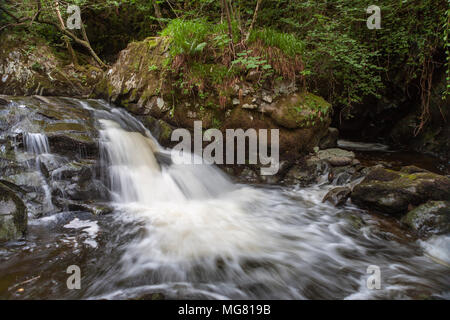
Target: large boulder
{"x": 13, "y": 215}
{"x": 143, "y": 82}
{"x": 393, "y": 192}
{"x": 430, "y": 218}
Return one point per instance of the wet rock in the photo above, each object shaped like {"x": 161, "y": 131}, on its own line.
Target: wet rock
{"x": 392, "y": 192}
{"x": 354, "y": 220}
{"x": 248, "y": 175}
{"x": 89, "y": 190}
{"x": 74, "y": 145}
{"x": 76, "y": 171}
{"x": 94, "y": 208}
{"x": 341, "y": 175}
{"x": 337, "y": 196}
{"x": 336, "y": 157}
{"x": 330, "y": 139}
{"x": 306, "y": 174}
{"x": 152, "y": 296}
{"x": 161, "y": 130}
{"x": 430, "y": 218}
{"x": 13, "y": 215}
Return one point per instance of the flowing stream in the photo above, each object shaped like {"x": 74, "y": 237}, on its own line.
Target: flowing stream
{"x": 189, "y": 231}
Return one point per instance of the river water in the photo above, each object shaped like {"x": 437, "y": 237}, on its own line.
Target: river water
{"x": 190, "y": 232}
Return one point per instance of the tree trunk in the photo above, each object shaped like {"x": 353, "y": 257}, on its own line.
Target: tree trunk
{"x": 255, "y": 16}
{"x": 230, "y": 28}
{"x": 67, "y": 41}
{"x": 158, "y": 14}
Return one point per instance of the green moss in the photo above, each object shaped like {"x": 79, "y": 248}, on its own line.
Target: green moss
{"x": 166, "y": 131}
{"x": 301, "y": 111}
{"x": 286, "y": 42}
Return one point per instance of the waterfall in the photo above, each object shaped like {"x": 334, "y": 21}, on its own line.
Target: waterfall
{"x": 37, "y": 144}
{"x": 190, "y": 212}
{"x": 135, "y": 175}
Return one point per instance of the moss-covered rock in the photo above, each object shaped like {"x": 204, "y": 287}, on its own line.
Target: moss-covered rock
{"x": 394, "y": 191}
{"x": 300, "y": 110}
{"x": 32, "y": 67}
{"x": 13, "y": 215}
{"x": 143, "y": 81}
{"x": 136, "y": 80}
{"x": 430, "y": 218}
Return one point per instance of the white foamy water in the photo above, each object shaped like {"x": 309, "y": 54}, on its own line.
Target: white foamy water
{"x": 196, "y": 227}
{"x": 36, "y": 143}
{"x": 362, "y": 146}
{"x": 189, "y": 212}
{"x": 438, "y": 247}
{"x": 90, "y": 228}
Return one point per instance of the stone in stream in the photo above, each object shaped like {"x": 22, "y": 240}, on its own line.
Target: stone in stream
{"x": 307, "y": 173}
{"x": 94, "y": 208}
{"x": 336, "y": 157}
{"x": 392, "y": 192}
{"x": 337, "y": 196}
{"x": 430, "y": 218}
{"x": 13, "y": 215}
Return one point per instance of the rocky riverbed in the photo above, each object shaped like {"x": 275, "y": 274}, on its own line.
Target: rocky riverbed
{"x": 75, "y": 192}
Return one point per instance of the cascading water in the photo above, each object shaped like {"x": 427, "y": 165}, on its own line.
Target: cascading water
{"x": 37, "y": 145}
{"x": 204, "y": 235}
{"x": 187, "y": 231}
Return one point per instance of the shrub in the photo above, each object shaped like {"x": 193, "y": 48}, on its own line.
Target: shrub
{"x": 286, "y": 42}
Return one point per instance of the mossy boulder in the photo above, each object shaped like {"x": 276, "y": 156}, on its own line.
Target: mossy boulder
{"x": 393, "y": 192}
{"x": 148, "y": 81}
{"x": 136, "y": 80}
{"x": 430, "y": 218}
{"x": 299, "y": 110}
{"x": 13, "y": 215}
{"x": 32, "y": 67}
